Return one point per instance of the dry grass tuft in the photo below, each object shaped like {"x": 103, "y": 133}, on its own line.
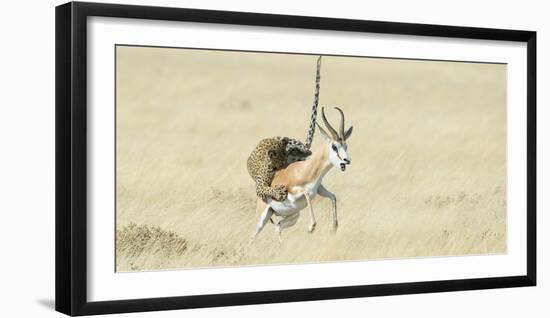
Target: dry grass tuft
{"x": 133, "y": 242}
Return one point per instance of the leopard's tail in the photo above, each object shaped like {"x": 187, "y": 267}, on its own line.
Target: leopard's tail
{"x": 311, "y": 131}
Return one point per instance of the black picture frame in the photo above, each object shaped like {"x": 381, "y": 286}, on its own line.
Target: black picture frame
{"x": 71, "y": 157}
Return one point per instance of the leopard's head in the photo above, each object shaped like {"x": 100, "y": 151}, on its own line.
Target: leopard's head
{"x": 296, "y": 151}
{"x": 278, "y": 156}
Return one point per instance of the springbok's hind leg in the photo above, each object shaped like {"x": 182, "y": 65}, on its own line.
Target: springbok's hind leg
{"x": 322, "y": 191}
{"x": 284, "y": 223}
{"x": 264, "y": 217}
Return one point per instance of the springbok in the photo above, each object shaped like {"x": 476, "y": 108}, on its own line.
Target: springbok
{"x": 303, "y": 180}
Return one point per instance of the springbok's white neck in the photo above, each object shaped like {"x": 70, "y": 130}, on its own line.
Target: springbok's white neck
{"x": 326, "y": 165}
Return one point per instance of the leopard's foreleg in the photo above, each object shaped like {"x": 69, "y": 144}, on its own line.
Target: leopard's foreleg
{"x": 264, "y": 189}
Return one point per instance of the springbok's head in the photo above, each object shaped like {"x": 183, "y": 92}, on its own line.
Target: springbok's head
{"x": 336, "y": 141}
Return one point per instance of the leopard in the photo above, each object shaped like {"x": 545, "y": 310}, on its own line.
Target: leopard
{"x": 272, "y": 154}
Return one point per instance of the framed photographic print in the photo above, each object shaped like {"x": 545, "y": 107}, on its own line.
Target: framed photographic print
{"x": 227, "y": 158}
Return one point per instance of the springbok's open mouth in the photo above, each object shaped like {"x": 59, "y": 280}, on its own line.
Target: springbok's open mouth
{"x": 343, "y": 166}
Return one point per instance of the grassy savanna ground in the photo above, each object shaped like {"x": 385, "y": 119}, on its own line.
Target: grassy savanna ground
{"x": 428, "y": 176}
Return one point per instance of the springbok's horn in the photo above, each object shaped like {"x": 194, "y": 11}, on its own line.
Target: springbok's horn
{"x": 333, "y": 132}
{"x": 342, "y": 134}
{"x": 322, "y": 131}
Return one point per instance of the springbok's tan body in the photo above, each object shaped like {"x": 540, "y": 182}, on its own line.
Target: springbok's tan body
{"x": 299, "y": 178}
{"x": 303, "y": 181}
{"x": 301, "y": 173}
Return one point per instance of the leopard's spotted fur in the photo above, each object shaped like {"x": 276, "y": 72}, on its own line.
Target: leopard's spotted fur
{"x": 270, "y": 155}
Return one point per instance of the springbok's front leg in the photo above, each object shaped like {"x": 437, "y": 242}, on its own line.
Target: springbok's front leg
{"x": 327, "y": 194}
{"x": 311, "y": 214}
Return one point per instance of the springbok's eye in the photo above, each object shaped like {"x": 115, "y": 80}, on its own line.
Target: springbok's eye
{"x": 334, "y": 148}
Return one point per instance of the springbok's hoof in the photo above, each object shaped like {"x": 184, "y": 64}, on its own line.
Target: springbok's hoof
{"x": 311, "y": 228}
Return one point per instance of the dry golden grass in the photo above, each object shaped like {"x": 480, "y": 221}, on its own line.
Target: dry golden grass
{"x": 428, "y": 176}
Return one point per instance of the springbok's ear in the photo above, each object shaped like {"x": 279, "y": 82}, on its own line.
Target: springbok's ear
{"x": 323, "y": 132}
{"x": 348, "y": 133}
